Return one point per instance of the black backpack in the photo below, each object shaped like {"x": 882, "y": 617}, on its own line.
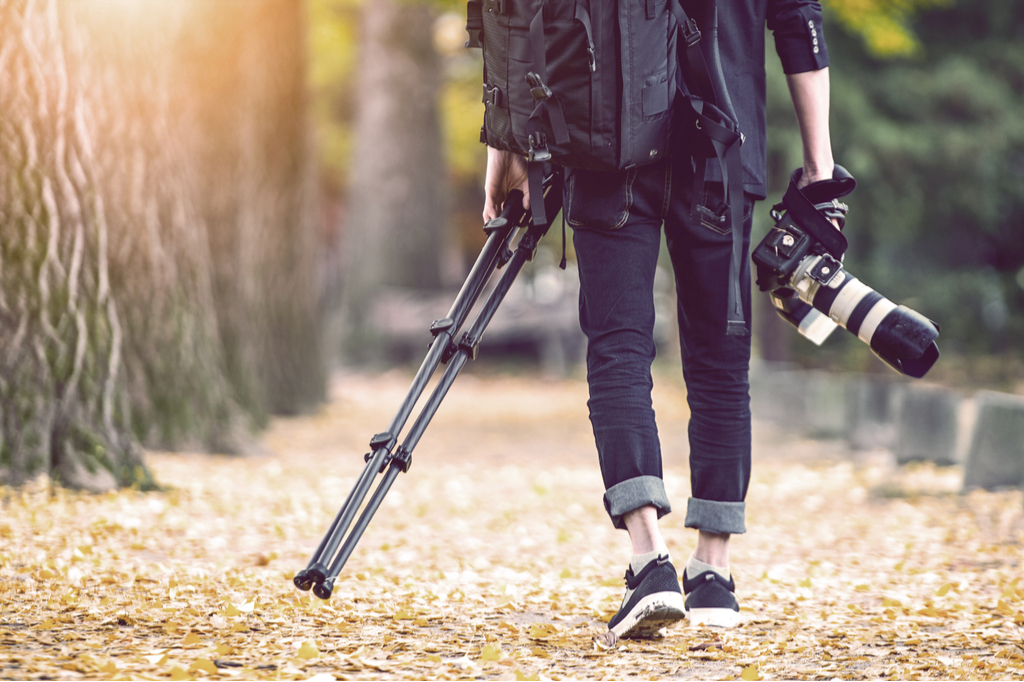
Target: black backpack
{"x": 595, "y": 84}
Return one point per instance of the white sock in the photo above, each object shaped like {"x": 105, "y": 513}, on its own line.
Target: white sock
{"x": 695, "y": 567}
{"x": 639, "y": 561}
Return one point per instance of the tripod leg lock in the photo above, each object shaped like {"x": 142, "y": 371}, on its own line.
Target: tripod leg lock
{"x": 469, "y": 345}
{"x": 385, "y": 439}
{"x": 381, "y": 441}
{"x": 403, "y": 457}
{"x": 442, "y": 325}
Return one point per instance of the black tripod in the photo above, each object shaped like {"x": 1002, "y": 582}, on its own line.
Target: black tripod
{"x": 328, "y": 560}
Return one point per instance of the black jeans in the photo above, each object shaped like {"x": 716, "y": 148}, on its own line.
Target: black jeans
{"x": 617, "y": 220}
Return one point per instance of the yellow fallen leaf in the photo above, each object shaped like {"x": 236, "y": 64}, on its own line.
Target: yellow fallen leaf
{"x": 862, "y": 588}
{"x": 854, "y": 608}
{"x": 434, "y": 658}
{"x": 308, "y": 650}
{"x": 224, "y": 650}
{"x": 109, "y": 668}
{"x": 192, "y": 638}
{"x": 806, "y": 582}
{"x": 179, "y": 674}
{"x": 751, "y": 673}
{"x": 523, "y": 677}
{"x": 491, "y": 653}
{"x": 204, "y": 664}
{"x": 944, "y": 590}
{"x": 156, "y": 659}
{"x": 566, "y": 573}
{"x": 230, "y": 611}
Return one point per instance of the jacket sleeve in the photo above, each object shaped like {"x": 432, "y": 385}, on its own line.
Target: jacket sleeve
{"x": 799, "y": 36}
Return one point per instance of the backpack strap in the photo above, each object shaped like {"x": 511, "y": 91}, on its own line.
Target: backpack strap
{"x": 690, "y": 35}
{"x": 547, "y": 107}
{"x": 702, "y": 116}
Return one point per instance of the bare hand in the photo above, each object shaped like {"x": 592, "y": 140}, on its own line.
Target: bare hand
{"x": 506, "y": 171}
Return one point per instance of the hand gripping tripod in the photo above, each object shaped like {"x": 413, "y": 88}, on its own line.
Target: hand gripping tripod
{"x": 335, "y": 548}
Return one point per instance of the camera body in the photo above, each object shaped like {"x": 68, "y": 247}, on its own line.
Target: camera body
{"x": 799, "y": 264}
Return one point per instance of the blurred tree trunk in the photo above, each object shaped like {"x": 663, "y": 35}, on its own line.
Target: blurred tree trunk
{"x": 243, "y": 76}
{"x": 395, "y": 234}
{"x": 61, "y": 334}
{"x": 130, "y": 310}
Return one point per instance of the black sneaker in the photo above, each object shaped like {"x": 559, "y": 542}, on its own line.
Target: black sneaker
{"x": 711, "y": 600}
{"x": 653, "y": 601}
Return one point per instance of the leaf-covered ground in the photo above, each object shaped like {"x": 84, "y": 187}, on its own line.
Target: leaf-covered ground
{"x": 493, "y": 559}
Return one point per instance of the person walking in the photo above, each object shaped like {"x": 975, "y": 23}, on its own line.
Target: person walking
{"x": 617, "y": 219}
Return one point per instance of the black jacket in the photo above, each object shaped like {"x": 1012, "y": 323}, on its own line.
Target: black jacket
{"x": 800, "y": 44}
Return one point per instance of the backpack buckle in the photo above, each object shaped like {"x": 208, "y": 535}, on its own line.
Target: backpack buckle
{"x": 538, "y": 148}
{"x": 496, "y": 6}
{"x": 492, "y": 95}
{"x": 691, "y": 34}
{"x": 538, "y": 88}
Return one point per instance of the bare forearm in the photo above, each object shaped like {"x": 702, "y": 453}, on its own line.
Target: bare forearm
{"x": 810, "y": 94}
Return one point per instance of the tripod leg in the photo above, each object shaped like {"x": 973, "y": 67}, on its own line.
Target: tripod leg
{"x": 316, "y": 572}
{"x": 498, "y": 231}
{"x": 324, "y": 589}
{"x": 466, "y": 350}
{"x": 499, "y": 234}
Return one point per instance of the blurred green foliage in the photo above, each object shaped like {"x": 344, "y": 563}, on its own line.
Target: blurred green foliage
{"x": 882, "y": 25}
{"x": 936, "y": 142}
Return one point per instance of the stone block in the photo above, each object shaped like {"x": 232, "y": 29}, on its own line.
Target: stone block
{"x": 872, "y": 410}
{"x": 824, "y": 404}
{"x": 928, "y": 426}
{"x": 806, "y": 402}
{"x": 995, "y": 458}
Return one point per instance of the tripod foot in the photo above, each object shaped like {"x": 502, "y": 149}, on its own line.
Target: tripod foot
{"x": 308, "y": 577}
{"x": 302, "y": 581}
{"x": 324, "y": 589}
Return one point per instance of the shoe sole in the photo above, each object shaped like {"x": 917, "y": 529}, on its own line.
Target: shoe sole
{"x": 651, "y": 615}
{"x": 715, "y": 618}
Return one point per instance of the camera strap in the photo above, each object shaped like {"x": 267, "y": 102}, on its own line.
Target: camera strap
{"x": 805, "y": 212}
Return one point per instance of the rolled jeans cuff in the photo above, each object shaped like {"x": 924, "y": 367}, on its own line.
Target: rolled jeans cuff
{"x": 634, "y": 493}
{"x": 716, "y": 517}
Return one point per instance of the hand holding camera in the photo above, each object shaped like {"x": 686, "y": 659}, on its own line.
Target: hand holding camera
{"x": 799, "y": 264}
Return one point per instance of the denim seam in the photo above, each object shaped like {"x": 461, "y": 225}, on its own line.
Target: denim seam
{"x": 667, "y": 196}
{"x": 630, "y": 177}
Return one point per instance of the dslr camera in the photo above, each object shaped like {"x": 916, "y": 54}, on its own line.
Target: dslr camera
{"x": 800, "y": 264}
